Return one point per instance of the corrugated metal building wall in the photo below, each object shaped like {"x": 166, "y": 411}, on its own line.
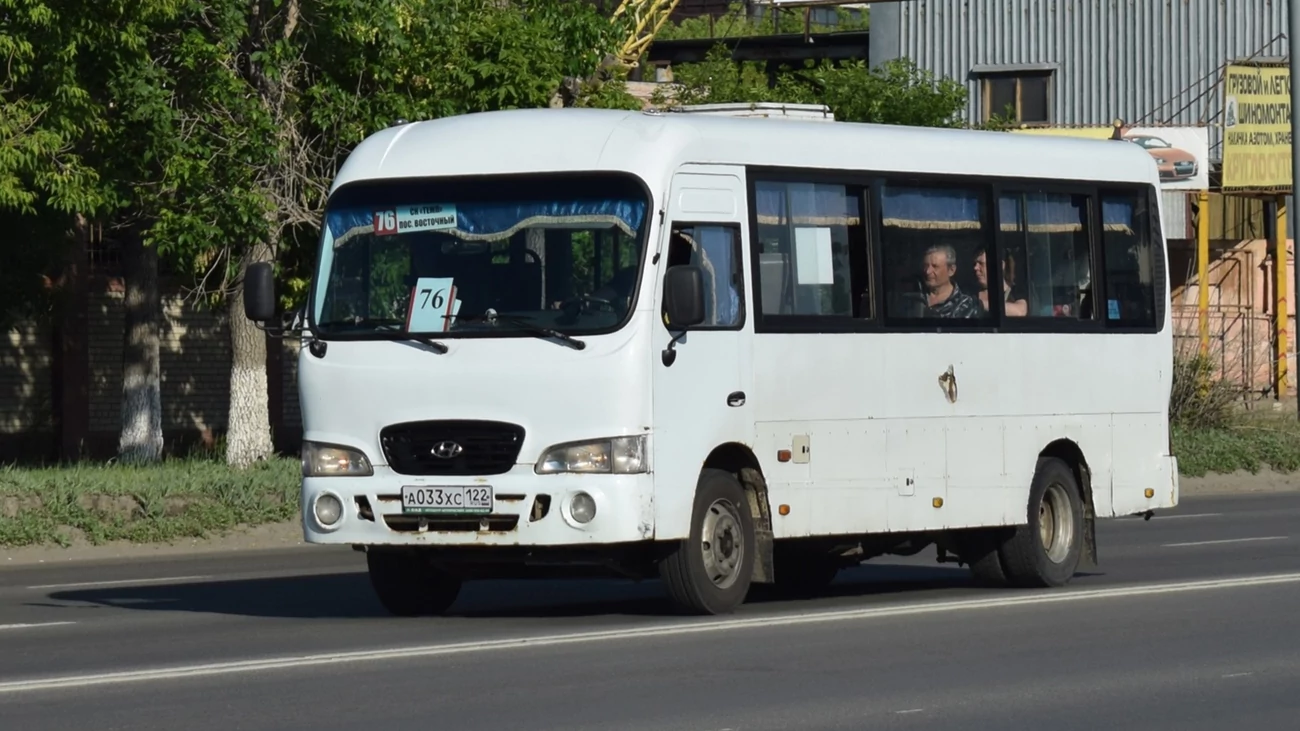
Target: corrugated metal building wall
{"x": 1144, "y": 61}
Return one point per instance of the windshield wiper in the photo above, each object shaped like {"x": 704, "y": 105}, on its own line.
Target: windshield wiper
{"x": 523, "y": 323}
{"x": 439, "y": 348}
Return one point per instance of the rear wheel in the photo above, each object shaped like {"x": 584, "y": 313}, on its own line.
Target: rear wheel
{"x": 710, "y": 572}
{"x": 1046, "y": 552}
{"x": 408, "y": 585}
{"x": 980, "y": 551}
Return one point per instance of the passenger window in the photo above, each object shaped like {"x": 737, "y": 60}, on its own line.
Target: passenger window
{"x": 811, "y": 240}
{"x": 1045, "y": 239}
{"x": 715, "y": 248}
{"x": 932, "y": 238}
{"x": 1130, "y": 259}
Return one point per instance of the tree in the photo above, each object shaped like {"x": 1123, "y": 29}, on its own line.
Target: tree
{"x": 236, "y": 174}
{"x": 140, "y": 129}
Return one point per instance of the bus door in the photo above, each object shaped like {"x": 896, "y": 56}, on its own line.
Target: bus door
{"x": 701, "y": 388}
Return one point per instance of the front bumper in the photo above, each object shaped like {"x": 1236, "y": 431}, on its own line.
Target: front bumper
{"x": 529, "y": 510}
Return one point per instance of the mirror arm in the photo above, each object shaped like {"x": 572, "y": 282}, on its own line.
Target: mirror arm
{"x": 284, "y": 330}
{"x": 669, "y": 354}
{"x": 276, "y": 332}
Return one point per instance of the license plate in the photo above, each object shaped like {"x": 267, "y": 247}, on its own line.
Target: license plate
{"x": 473, "y": 499}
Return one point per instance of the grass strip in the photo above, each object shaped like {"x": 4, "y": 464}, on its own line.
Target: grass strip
{"x": 142, "y": 504}
{"x": 1248, "y": 443}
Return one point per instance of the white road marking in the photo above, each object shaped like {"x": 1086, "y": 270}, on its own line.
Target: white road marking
{"x": 33, "y": 625}
{"x": 1226, "y": 540}
{"x": 910, "y": 710}
{"x": 121, "y": 582}
{"x": 1237, "y": 675}
{"x": 689, "y": 627}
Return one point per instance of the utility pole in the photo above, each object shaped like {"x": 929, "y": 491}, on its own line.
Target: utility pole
{"x": 1293, "y": 37}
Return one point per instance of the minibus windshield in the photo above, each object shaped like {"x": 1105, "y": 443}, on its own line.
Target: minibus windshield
{"x": 512, "y": 256}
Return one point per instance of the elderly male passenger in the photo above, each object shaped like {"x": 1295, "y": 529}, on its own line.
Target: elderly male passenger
{"x": 942, "y": 297}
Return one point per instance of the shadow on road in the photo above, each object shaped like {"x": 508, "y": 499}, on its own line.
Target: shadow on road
{"x": 348, "y": 595}
{"x": 320, "y": 596}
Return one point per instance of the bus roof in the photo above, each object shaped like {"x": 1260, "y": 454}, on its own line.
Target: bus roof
{"x": 653, "y": 144}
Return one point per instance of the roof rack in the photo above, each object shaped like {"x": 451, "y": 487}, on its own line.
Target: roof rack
{"x": 811, "y": 112}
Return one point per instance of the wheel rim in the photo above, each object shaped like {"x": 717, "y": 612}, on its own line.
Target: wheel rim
{"x": 723, "y": 543}
{"x": 1056, "y": 523}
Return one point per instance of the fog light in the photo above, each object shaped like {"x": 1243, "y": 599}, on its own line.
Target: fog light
{"x": 329, "y": 509}
{"x": 582, "y": 507}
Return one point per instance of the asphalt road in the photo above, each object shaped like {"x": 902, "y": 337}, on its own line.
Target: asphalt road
{"x": 1179, "y": 628}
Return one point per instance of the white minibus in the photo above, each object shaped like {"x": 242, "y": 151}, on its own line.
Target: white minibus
{"x": 727, "y": 351}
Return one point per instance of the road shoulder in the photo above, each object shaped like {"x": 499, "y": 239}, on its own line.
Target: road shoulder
{"x": 1241, "y": 482}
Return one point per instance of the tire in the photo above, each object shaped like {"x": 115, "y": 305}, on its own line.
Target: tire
{"x": 710, "y": 572}
{"x": 1046, "y": 552}
{"x": 981, "y": 555}
{"x": 408, "y": 585}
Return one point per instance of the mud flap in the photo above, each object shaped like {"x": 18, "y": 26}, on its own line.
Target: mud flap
{"x": 1088, "y": 557}
{"x": 764, "y": 570}
{"x": 764, "y": 563}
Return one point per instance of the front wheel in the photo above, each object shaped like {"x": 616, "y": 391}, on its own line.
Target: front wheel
{"x": 1046, "y": 552}
{"x": 710, "y": 572}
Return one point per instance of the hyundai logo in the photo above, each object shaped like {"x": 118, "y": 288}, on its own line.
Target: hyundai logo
{"x": 446, "y": 450}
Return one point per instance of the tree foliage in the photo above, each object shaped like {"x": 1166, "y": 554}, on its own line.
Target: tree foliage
{"x": 740, "y": 21}
{"x": 211, "y": 124}
{"x": 895, "y": 92}
{"x": 44, "y": 110}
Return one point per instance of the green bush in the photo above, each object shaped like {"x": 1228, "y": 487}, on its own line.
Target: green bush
{"x": 174, "y": 499}
{"x": 1200, "y": 397}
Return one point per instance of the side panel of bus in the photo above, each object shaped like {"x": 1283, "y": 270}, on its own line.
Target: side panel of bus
{"x": 904, "y": 422}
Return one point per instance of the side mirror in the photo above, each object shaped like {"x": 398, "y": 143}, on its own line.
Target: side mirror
{"x": 259, "y": 292}
{"x": 684, "y": 297}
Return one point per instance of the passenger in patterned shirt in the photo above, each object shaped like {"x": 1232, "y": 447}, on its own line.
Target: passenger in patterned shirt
{"x": 942, "y": 296}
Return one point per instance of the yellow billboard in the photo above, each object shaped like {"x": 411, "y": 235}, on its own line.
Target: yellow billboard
{"x": 1256, "y": 128}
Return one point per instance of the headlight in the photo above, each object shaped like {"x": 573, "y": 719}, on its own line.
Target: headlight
{"x": 331, "y": 460}
{"x": 616, "y": 455}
